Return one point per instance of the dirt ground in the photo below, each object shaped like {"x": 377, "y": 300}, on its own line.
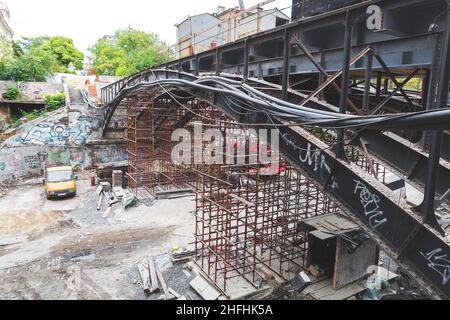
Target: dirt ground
{"x": 66, "y": 249}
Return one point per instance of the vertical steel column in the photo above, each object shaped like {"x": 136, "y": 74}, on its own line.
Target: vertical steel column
{"x": 386, "y": 86}
{"x": 428, "y": 205}
{"x": 426, "y": 88}
{"x": 287, "y": 50}
{"x": 321, "y": 77}
{"x": 367, "y": 80}
{"x": 345, "y": 79}
{"x": 246, "y": 59}
{"x": 218, "y": 61}
{"x": 379, "y": 80}
{"x": 197, "y": 65}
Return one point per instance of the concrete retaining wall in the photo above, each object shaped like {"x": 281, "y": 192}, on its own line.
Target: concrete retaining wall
{"x": 32, "y": 91}
{"x": 30, "y": 161}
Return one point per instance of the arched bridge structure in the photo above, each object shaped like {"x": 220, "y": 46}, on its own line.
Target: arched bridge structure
{"x": 160, "y": 101}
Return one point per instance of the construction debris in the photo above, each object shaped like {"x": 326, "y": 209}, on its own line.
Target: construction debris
{"x": 99, "y": 203}
{"x": 117, "y": 178}
{"x": 174, "y": 194}
{"x": 106, "y": 186}
{"x": 107, "y": 212}
{"x": 149, "y": 277}
{"x": 301, "y": 281}
{"x": 128, "y": 199}
{"x": 182, "y": 255}
{"x": 119, "y": 192}
{"x": 204, "y": 289}
{"x": 176, "y": 294}
{"x": 99, "y": 190}
{"x": 145, "y": 277}
{"x": 167, "y": 293}
{"x": 153, "y": 274}
{"x": 111, "y": 198}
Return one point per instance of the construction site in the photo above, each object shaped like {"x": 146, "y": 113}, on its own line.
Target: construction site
{"x": 283, "y": 155}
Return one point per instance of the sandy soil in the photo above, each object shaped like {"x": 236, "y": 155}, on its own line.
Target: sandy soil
{"x": 66, "y": 249}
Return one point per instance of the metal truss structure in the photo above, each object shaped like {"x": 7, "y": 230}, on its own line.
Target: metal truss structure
{"x": 243, "y": 226}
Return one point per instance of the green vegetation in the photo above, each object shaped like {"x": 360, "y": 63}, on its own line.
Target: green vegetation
{"x": 6, "y": 49}
{"x": 32, "y": 65}
{"x": 35, "y": 59}
{"x": 52, "y": 102}
{"x": 55, "y": 101}
{"x": 11, "y": 93}
{"x": 413, "y": 84}
{"x": 127, "y": 52}
{"x": 64, "y": 53}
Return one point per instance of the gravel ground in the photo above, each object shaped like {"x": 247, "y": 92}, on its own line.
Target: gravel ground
{"x": 66, "y": 249}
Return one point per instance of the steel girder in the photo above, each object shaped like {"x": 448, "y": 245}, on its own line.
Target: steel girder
{"x": 417, "y": 247}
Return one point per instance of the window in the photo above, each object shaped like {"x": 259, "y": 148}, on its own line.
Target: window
{"x": 60, "y": 176}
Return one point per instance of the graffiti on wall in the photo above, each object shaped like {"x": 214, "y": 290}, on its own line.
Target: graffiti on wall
{"x": 110, "y": 154}
{"x": 24, "y": 162}
{"x": 58, "y": 134}
{"x": 64, "y": 157}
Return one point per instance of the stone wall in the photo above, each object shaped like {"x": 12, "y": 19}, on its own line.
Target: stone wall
{"x": 5, "y": 115}
{"x": 32, "y": 91}
{"x": 30, "y": 161}
{"x": 63, "y": 138}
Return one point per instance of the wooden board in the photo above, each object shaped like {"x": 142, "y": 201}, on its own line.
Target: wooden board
{"x": 204, "y": 289}
{"x": 153, "y": 276}
{"x": 167, "y": 293}
{"x": 144, "y": 277}
{"x": 99, "y": 203}
{"x": 324, "y": 290}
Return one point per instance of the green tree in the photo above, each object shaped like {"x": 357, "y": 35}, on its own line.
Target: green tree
{"x": 6, "y": 48}
{"x": 64, "y": 53}
{"x": 33, "y": 65}
{"x": 127, "y": 52}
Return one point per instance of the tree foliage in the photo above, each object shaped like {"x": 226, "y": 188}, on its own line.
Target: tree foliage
{"x": 127, "y": 52}
{"x": 35, "y": 59}
{"x": 64, "y": 53}
{"x": 32, "y": 65}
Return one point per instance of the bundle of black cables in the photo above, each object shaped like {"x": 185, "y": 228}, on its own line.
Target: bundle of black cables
{"x": 241, "y": 97}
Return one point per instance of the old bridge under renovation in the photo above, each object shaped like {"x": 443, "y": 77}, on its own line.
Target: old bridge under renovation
{"x": 342, "y": 129}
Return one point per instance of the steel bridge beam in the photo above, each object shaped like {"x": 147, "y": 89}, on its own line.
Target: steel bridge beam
{"x": 400, "y": 232}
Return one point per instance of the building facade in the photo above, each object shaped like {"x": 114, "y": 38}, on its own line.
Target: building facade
{"x": 5, "y": 26}
{"x": 205, "y": 31}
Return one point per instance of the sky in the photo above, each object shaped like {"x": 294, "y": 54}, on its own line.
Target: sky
{"x": 85, "y": 21}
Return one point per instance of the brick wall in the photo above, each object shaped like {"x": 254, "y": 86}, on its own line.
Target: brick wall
{"x": 5, "y": 114}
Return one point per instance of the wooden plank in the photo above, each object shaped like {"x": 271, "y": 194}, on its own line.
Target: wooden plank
{"x": 176, "y": 294}
{"x": 153, "y": 276}
{"x": 144, "y": 277}
{"x": 99, "y": 190}
{"x": 99, "y": 203}
{"x": 342, "y": 294}
{"x": 107, "y": 212}
{"x": 169, "y": 296}
{"x": 189, "y": 296}
{"x": 204, "y": 289}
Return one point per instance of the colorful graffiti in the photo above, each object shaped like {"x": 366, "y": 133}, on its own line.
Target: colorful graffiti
{"x": 111, "y": 154}
{"x": 65, "y": 157}
{"x": 58, "y": 134}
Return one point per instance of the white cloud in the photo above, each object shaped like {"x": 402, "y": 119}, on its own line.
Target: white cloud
{"x": 85, "y": 21}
